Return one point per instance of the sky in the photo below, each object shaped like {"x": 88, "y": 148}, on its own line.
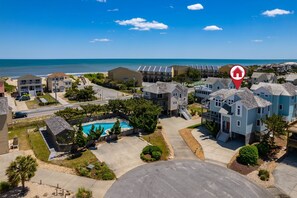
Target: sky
{"x": 219, "y": 29}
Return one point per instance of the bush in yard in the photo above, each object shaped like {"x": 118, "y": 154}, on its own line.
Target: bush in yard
{"x": 151, "y": 153}
{"x": 263, "y": 149}
{"x": 248, "y": 155}
{"x": 4, "y": 186}
{"x": 263, "y": 175}
{"x": 84, "y": 193}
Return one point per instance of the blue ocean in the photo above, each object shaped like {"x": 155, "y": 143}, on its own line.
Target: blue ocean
{"x": 41, "y": 67}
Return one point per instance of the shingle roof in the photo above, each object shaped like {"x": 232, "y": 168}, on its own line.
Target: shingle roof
{"x": 155, "y": 69}
{"x": 224, "y": 81}
{"x": 259, "y": 74}
{"x": 291, "y": 77}
{"x": 57, "y": 74}
{"x": 57, "y": 125}
{"x": 3, "y": 106}
{"x": 248, "y": 99}
{"x": 287, "y": 89}
{"x": 163, "y": 87}
{"x": 28, "y": 76}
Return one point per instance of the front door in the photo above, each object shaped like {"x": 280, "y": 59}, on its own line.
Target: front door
{"x": 227, "y": 127}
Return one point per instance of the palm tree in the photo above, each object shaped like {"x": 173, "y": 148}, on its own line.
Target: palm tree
{"x": 22, "y": 169}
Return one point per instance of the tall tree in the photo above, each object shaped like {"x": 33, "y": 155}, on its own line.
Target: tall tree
{"x": 80, "y": 139}
{"x": 276, "y": 126}
{"x": 116, "y": 128}
{"x": 22, "y": 169}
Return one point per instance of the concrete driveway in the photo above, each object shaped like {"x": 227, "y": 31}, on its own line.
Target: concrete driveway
{"x": 106, "y": 93}
{"x": 171, "y": 127}
{"x": 5, "y": 160}
{"x": 214, "y": 151}
{"x": 285, "y": 174}
{"x": 121, "y": 156}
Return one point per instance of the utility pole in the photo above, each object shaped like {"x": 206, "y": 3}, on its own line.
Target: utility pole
{"x": 56, "y": 89}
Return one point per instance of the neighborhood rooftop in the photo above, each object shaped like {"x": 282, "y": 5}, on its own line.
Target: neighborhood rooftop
{"x": 57, "y": 125}
{"x": 258, "y": 74}
{"x": 154, "y": 69}
{"x": 162, "y": 87}
{"x": 286, "y": 89}
{"x": 213, "y": 80}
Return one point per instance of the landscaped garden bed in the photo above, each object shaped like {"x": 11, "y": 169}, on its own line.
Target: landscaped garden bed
{"x": 151, "y": 153}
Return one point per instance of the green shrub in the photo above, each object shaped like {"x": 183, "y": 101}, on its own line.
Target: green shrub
{"x": 263, "y": 175}
{"x": 263, "y": 148}
{"x": 108, "y": 176}
{"x": 212, "y": 127}
{"x": 4, "y": 186}
{"x": 248, "y": 155}
{"x": 84, "y": 193}
{"x": 82, "y": 171}
{"x": 156, "y": 155}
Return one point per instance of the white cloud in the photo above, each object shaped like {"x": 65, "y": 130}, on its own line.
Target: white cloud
{"x": 163, "y": 33}
{"x": 212, "y": 28}
{"x": 257, "y": 41}
{"x": 141, "y": 24}
{"x": 113, "y": 10}
{"x": 100, "y": 40}
{"x": 275, "y": 12}
{"x": 102, "y": 1}
{"x": 197, "y": 6}
{"x": 171, "y": 7}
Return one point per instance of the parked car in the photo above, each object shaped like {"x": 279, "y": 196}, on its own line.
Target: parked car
{"x": 20, "y": 115}
{"x": 24, "y": 98}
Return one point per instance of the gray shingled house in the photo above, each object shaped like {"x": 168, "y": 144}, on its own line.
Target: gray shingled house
{"x": 60, "y": 133}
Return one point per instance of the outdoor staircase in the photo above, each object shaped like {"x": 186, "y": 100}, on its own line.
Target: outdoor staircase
{"x": 222, "y": 137}
{"x": 186, "y": 114}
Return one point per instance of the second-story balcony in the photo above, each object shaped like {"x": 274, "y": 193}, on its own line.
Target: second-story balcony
{"x": 211, "y": 116}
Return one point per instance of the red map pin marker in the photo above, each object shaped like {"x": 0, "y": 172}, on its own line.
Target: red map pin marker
{"x": 237, "y": 73}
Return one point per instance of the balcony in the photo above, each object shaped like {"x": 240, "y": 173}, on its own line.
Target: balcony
{"x": 211, "y": 116}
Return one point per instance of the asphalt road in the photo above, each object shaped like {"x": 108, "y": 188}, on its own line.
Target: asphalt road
{"x": 184, "y": 178}
{"x": 44, "y": 111}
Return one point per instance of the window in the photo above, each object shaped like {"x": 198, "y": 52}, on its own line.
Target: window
{"x": 238, "y": 110}
{"x": 266, "y": 96}
{"x": 180, "y": 95}
{"x": 281, "y": 107}
{"x": 268, "y": 108}
{"x": 159, "y": 95}
{"x": 238, "y": 123}
{"x": 259, "y": 110}
{"x": 218, "y": 87}
{"x": 262, "y": 110}
{"x": 258, "y": 122}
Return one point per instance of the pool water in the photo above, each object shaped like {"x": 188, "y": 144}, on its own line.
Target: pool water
{"x": 106, "y": 126}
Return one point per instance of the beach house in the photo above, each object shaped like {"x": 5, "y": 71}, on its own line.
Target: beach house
{"x": 59, "y": 134}
{"x": 122, "y": 74}
{"x": 29, "y": 84}
{"x": 238, "y": 113}
{"x": 258, "y": 77}
{"x": 172, "y": 97}
{"x": 291, "y": 78}
{"x": 207, "y": 71}
{"x": 58, "y": 82}
{"x": 156, "y": 73}
{"x": 282, "y": 96}
{"x": 5, "y": 118}
{"x": 2, "y": 88}
{"x": 211, "y": 85}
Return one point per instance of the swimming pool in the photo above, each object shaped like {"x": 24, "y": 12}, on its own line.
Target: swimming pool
{"x": 106, "y": 126}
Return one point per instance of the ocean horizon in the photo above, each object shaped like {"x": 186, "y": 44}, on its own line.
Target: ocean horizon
{"x": 42, "y": 67}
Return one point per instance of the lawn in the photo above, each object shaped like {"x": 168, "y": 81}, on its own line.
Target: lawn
{"x": 20, "y": 130}
{"x": 38, "y": 145}
{"x": 32, "y": 104}
{"x": 157, "y": 139}
{"x": 49, "y": 98}
{"x": 85, "y": 157}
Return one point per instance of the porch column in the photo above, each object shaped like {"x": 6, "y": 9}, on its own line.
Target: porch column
{"x": 230, "y": 133}
{"x": 221, "y": 123}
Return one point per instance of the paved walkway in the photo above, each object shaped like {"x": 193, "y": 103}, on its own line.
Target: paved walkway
{"x": 121, "y": 156}
{"x": 171, "y": 127}
{"x": 214, "y": 151}
{"x": 52, "y": 178}
{"x": 60, "y": 100}
{"x": 21, "y": 105}
{"x": 71, "y": 182}
{"x": 11, "y": 102}
{"x": 285, "y": 175}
